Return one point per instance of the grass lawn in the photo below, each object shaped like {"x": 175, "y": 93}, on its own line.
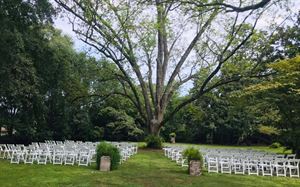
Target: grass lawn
{"x": 279, "y": 150}
{"x": 147, "y": 168}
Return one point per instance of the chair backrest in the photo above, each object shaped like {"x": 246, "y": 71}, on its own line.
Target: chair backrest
{"x": 291, "y": 156}
{"x": 293, "y": 162}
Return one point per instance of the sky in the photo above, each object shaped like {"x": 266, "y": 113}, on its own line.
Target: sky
{"x": 66, "y": 28}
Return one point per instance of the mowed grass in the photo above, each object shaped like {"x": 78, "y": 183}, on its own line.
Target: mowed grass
{"x": 147, "y": 168}
{"x": 279, "y": 150}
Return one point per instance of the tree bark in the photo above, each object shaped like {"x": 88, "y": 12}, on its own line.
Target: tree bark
{"x": 154, "y": 127}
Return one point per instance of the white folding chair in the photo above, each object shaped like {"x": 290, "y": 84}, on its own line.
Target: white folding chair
{"x": 2, "y": 150}
{"x": 8, "y": 151}
{"x": 84, "y": 156}
{"x": 43, "y": 156}
{"x": 225, "y": 164}
{"x": 291, "y": 156}
{"x": 279, "y": 167}
{"x": 58, "y": 156}
{"x": 30, "y": 155}
{"x": 266, "y": 167}
{"x": 238, "y": 166}
{"x": 16, "y": 156}
{"x": 293, "y": 167}
{"x": 212, "y": 164}
{"x": 70, "y": 157}
{"x": 252, "y": 167}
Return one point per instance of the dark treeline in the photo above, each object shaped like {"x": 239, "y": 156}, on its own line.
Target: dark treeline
{"x": 49, "y": 90}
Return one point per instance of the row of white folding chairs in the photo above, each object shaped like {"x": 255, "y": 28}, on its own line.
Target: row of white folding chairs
{"x": 253, "y": 166}
{"x": 84, "y": 157}
{"x": 60, "y": 153}
{"x": 175, "y": 154}
{"x": 126, "y": 149}
{"x": 126, "y": 153}
{"x": 250, "y": 164}
{"x": 7, "y": 149}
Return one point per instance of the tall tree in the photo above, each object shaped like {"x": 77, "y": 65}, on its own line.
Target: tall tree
{"x": 160, "y": 45}
{"x": 20, "y": 21}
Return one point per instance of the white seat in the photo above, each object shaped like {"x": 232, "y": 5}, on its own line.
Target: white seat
{"x": 212, "y": 164}
{"x": 43, "y": 156}
{"x": 16, "y": 156}
{"x": 58, "y": 156}
{"x": 293, "y": 167}
{"x": 238, "y": 166}
{"x": 69, "y": 157}
{"x": 279, "y": 167}
{"x": 30, "y": 156}
{"x": 84, "y": 157}
{"x": 8, "y": 151}
{"x": 225, "y": 164}
{"x": 291, "y": 156}
{"x": 266, "y": 167}
{"x": 2, "y": 150}
{"x": 252, "y": 167}
{"x": 184, "y": 162}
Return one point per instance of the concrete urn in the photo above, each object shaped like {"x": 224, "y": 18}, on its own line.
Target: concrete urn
{"x": 173, "y": 140}
{"x": 105, "y": 163}
{"x": 195, "y": 168}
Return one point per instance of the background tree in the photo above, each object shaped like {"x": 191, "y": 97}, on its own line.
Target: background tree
{"x": 222, "y": 116}
{"x": 158, "y": 46}
{"x": 48, "y": 90}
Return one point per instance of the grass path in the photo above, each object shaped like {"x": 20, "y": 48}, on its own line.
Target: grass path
{"x": 147, "y": 168}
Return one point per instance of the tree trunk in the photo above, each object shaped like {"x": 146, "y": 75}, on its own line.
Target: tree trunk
{"x": 154, "y": 127}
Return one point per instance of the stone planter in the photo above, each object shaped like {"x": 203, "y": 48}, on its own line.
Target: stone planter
{"x": 195, "y": 168}
{"x": 105, "y": 163}
{"x": 172, "y": 139}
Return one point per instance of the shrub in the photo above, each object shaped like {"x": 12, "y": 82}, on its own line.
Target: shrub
{"x": 172, "y": 135}
{"x": 154, "y": 142}
{"x": 275, "y": 145}
{"x": 106, "y": 149}
{"x": 193, "y": 154}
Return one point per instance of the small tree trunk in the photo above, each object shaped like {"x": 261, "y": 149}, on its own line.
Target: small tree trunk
{"x": 154, "y": 129}
{"x": 155, "y": 123}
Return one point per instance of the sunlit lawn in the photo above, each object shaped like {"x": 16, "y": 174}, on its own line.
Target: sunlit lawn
{"x": 280, "y": 150}
{"x": 147, "y": 168}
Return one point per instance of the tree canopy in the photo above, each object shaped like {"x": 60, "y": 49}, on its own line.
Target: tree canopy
{"x": 160, "y": 46}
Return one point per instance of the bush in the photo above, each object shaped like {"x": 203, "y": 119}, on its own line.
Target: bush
{"x": 154, "y": 142}
{"x": 106, "y": 149}
{"x": 275, "y": 145}
{"x": 193, "y": 154}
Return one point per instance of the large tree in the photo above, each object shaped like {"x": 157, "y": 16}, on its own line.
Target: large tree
{"x": 160, "y": 45}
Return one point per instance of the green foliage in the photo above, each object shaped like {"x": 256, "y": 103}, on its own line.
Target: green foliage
{"x": 172, "y": 135}
{"x": 154, "y": 142}
{"x": 281, "y": 93}
{"x": 117, "y": 125}
{"x": 275, "y": 145}
{"x": 49, "y": 90}
{"x": 106, "y": 149}
{"x": 193, "y": 154}
{"x": 268, "y": 130}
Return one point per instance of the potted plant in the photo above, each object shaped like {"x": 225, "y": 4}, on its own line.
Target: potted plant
{"x": 172, "y": 137}
{"x": 108, "y": 157}
{"x": 195, "y": 161}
